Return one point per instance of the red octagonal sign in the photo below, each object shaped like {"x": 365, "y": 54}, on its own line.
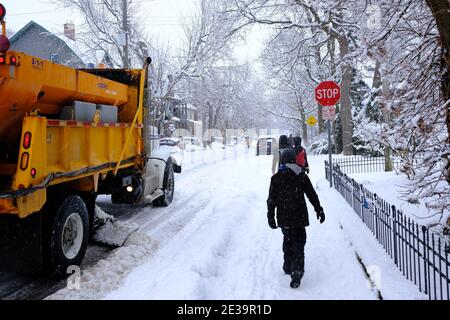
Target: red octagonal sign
{"x": 328, "y": 93}
{"x": 2, "y": 12}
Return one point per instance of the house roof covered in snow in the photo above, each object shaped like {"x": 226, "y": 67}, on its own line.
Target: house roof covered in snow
{"x": 35, "y": 40}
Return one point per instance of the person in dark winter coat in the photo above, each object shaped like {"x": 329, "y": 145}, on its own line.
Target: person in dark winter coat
{"x": 290, "y": 141}
{"x": 286, "y": 199}
{"x": 285, "y": 151}
{"x": 301, "y": 159}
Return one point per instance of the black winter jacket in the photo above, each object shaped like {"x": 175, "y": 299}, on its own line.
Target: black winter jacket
{"x": 287, "y": 194}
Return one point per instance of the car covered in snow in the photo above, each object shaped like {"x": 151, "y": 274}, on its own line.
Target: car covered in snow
{"x": 266, "y": 145}
{"x": 191, "y": 144}
{"x": 217, "y": 143}
{"x": 172, "y": 147}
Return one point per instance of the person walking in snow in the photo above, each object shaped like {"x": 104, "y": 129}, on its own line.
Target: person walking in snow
{"x": 279, "y": 153}
{"x": 287, "y": 201}
{"x": 300, "y": 158}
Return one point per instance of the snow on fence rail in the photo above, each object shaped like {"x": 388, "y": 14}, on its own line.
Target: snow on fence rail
{"x": 421, "y": 255}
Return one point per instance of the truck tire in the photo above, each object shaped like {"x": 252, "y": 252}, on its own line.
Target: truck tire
{"x": 69, "y": 235}
{"x": 168, "y": 187}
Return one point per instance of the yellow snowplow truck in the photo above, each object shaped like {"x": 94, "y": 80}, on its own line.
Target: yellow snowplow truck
{"x": 67, "y": 135}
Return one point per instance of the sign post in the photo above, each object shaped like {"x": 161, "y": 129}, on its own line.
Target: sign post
{"x": 327, "y": 94}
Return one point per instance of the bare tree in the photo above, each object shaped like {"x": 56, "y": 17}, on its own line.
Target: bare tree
{"x": 441, "y": 13}
{"x": 326, "y": 23}
{"x": 111, "y": 31}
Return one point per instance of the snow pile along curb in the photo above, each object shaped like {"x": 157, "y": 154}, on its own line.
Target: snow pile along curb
{"x": 107, "y": 274}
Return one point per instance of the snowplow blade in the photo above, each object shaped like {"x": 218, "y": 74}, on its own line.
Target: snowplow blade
{"x": 20, "y": 243}
{"x": 110, "y": 231}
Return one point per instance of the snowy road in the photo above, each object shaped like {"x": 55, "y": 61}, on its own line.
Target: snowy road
{"x": 213, "y": 242}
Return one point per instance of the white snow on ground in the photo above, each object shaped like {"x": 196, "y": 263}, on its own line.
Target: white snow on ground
{"x": 390, "y": 281}
{"x": 213, "y": 242}
{"x": 389, "y": 186}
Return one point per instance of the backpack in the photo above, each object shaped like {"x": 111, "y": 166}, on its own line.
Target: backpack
{"x": 300, "y": 158}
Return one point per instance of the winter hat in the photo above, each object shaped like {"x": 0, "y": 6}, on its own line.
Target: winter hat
{"x": 297, "y": 141}
{"x": 287, "y": 156}
{"x": 283, "y": 142}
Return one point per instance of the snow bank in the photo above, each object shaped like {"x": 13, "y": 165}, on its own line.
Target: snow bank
{"x": 107, "y": 274}
{"x": 390, "y": 187}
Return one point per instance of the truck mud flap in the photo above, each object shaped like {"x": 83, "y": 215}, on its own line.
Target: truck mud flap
{"x": 20, "y": 243}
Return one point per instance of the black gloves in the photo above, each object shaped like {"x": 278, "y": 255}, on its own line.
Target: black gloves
{"x": 272, "y": 223}
{"x": 320, "y": 216}
{"x": 307, "y": 170}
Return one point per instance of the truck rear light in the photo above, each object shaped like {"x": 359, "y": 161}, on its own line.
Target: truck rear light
{"x": 2, "y": 60}
{"x": 33, "y": 172}
{"x": 13, "y": 60}
{"x": 24, "y": 160}
{"x": 27, "y": 140}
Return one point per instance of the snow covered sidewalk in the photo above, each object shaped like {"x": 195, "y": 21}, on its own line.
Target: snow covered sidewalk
{"x": 214, "y": 243}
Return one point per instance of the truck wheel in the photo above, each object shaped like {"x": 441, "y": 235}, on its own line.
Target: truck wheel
{"x": 168, "y": 187}
{"x": 69, "y": 235}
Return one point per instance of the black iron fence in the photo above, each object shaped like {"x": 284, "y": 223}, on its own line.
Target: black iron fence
{"x": 361, "y": 164}
{"x": 421, "y": 255}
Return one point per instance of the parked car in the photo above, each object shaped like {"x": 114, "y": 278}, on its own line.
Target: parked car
{"x": 217, "y": 143}
{"x": 191, "y": 144}
{"x": 172, "y": 146}
{"x": 232, "y": 141}
{"x": 266, "y": 145}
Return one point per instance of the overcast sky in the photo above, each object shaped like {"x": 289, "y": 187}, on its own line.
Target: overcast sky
{"x": 161, "y": 18}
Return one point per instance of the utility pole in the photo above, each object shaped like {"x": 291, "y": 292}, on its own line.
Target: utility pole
{"x": 125, "y": 31}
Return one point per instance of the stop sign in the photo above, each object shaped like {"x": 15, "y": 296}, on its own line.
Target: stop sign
{"x": 328, "y": 93}
{"x": 2, "y": 12}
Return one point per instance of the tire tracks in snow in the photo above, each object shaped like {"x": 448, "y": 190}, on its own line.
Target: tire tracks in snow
{"x": 158, "y": 227}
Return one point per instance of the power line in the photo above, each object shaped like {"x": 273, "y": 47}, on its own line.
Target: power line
{"x": 34, "y": 12}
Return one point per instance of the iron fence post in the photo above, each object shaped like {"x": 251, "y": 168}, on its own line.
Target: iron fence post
{"x": 394, "y": 235}
{"x": 376, "y": 217}
{"x": 425, "y": 273}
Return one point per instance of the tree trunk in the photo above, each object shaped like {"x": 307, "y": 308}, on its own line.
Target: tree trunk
{"x": 210, "y": 115}
{"x": 377, "y": 76}
{"x": 441, "y": 13}
{"x": 303, "y": 118}
{"x": 387, "y": 119}
{"x": 377, "y": 83}
{"x": 319, "y": 107}
{"x": 304, "y": 129}
{"x": 346, "y": 105}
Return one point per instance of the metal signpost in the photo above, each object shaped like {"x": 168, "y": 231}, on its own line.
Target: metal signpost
{"x": 327, "y": 94}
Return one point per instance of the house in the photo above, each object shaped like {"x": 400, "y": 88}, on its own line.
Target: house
{"x": 35, "y": 40}
{"x": 189, "y": 119}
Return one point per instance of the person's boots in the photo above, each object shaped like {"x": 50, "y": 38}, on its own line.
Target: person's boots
{"x": 296, "y": 278}
{"x": 287, "y": 267}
